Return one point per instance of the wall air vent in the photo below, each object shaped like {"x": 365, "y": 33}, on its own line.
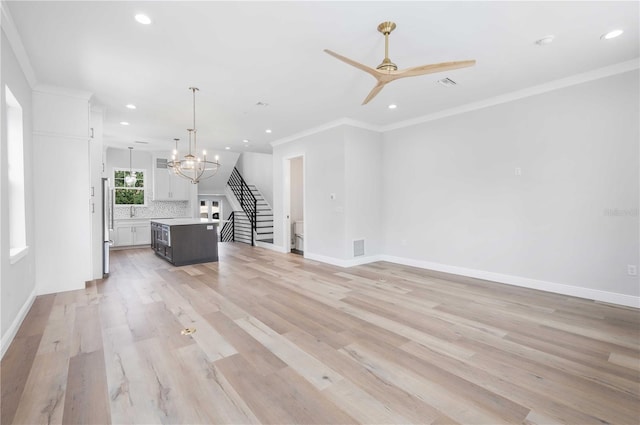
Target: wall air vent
{"x": 161, "y": 163}
{"x": 358, "y": 248}
{"x": 447, "y": 82}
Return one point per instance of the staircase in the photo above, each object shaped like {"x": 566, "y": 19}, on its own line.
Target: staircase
{"x": 254, "y": 223}
{"x": 264, "y": 217}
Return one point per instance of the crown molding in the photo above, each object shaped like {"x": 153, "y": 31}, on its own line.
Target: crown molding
{"x": 585, "y": 77}
{"x": 325, "y": 127}
{"x": 62, "y": 91}
{"x": 10, "y": 30}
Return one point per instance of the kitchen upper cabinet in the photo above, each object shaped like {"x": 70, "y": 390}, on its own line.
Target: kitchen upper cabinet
{"x": 166, "y": 186}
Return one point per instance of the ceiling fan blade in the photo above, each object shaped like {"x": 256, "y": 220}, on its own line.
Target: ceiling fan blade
{"x": 432, "y": 68}
{"x": 374, "y": 92}
{"x": 358, "y": 65}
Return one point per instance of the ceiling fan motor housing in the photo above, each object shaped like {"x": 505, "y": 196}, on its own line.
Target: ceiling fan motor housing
{"x": 387, "y": 65}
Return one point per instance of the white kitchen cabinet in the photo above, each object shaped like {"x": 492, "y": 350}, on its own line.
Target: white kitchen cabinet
{"x": 132, "y": 233}
{"x": 166, "y": 186}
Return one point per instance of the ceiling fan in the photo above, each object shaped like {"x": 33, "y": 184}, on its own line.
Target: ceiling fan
{"x": 387, "y": 71}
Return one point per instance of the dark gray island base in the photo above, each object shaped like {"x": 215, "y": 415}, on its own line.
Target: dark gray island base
{"x": 183, "y": 241}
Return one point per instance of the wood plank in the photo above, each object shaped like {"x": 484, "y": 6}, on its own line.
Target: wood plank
{"x": 283, "y": 397}
{"x": 86, "y": 400}
{"x": 43, "y": 398}
{"x": 87, "y": 335}
{"x": 16, "y": 365}
{"x": 314, "y": 371}
{"x": 263, "y": 360}
{"x": 210, "y": 384}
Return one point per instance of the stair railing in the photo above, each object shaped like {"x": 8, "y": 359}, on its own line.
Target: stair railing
{"x": 228, "y": 232}
{"x": 248, "y": 201}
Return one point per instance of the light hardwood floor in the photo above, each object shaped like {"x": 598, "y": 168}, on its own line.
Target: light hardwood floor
{"x": 282, "y": 340}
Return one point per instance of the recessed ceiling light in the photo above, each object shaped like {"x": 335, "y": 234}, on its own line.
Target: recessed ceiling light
{"x": 227, "y": 148}
{"x": 124, "y": 123}
{"x": 143, "y": 19}
{"x": 392, "y": 106}
{"x": 246, "y": 140}
{"x": 545, "y": 40}
{"x": 611, "y": 34}
{"x": 131, "y": 106}
{"x": 268, "y": 130}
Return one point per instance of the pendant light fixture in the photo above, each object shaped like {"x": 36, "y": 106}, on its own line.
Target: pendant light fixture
{"x": 130, "y": 180}
{"x": 193, "y": 167}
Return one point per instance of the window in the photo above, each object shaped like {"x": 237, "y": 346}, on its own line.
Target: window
{"x": 129, "y": 195}
{"x": 209, "y": 209}
{"x": 17, "y": 215}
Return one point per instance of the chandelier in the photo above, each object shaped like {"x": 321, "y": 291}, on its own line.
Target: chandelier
{"x": 130, "y": 180}
{"x": 193, "y": 167}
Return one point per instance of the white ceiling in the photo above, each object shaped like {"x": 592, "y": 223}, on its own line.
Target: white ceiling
{"x": 241, "y": 53}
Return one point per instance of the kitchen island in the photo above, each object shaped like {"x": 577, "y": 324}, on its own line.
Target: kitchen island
{"x": 183, "y": 241}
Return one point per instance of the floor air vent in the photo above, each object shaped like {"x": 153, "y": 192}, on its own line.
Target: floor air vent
{"x": 358, "y": 248}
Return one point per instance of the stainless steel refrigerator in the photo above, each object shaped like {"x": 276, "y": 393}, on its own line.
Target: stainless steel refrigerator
{"x": 107, "y": 224}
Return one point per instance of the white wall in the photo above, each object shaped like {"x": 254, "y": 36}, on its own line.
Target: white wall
{"x": 345, "y": 162}
{"x": 453, "y": 198}
{"x": 257, "y": 169}
{"x": 324, "y": 174}
{"x": 216, "y": 184}
{"x": 17, "y": 281}
{"x": 363, "y": 177}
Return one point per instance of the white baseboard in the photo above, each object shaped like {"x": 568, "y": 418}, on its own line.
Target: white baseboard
{"x": 342, "y": 263}
{"x": 558, "y": 288}
{"x": 7, "y": 338}
{"x": 270, "y": 246}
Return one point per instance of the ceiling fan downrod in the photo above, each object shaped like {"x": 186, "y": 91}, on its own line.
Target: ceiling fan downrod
{"x": 386, "y": 65}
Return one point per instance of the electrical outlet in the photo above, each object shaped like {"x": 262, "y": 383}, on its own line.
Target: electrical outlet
{"x": 632, "y": 270}
{"x": 518, "y": 171}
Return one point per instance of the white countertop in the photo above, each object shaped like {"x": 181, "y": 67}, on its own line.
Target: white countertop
{"x": 184, "y": 221}
{"x": 135, "y": 218}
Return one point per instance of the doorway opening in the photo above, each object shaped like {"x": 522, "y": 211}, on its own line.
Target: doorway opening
{"x": 294, "y": 211}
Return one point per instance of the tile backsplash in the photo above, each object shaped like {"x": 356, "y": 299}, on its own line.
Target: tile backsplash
{"x": 154, "y": 209}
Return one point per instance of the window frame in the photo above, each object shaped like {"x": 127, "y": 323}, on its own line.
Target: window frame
{"x": 14, "y": 119}
{"x": 143, "y": 188}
